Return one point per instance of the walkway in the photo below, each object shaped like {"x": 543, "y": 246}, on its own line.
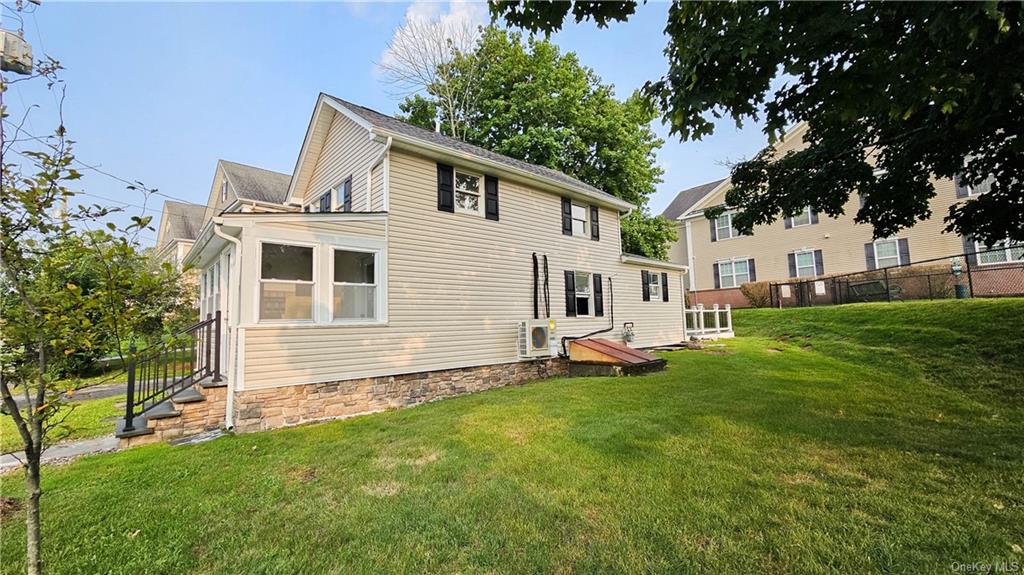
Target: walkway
{"x": 63, "y": 452}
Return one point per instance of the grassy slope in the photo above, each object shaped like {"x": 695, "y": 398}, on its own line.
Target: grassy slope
{"x": 841, "y": 453}
{"x": 90, "y": 418}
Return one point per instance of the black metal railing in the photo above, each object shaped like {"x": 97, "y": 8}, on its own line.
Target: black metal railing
{"x": 997, "y": 272}
{"x": 158, "y": 373}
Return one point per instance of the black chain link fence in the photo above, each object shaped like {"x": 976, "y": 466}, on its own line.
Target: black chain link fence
{"x": 997, "y": 272}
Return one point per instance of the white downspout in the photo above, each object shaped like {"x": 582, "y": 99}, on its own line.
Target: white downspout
{"x": 689, "y": 256}
{"x": 229, "y": 415}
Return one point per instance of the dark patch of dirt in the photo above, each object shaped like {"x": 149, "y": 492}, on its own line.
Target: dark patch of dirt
{"x": 8, "y": 507}
{"x": 302, "y": 474}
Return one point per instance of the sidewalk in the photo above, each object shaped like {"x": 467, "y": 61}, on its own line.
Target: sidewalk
{"x": 63, "y": 452}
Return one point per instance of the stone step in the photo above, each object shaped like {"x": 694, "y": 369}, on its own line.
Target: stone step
{"x": 190, "y": 395}
{"x": 163, "y": 410}
{"x": 208, "y": 382}
{"x": 140, "y": 425}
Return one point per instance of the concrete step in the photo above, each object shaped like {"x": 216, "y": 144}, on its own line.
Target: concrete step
{"x": 208, "y": 382}
{"x": 163, "y": 411}
{"x": 140, "y": 425}
{"x": 190, "y": 395}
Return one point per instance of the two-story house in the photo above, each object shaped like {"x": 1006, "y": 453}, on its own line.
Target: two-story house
{"x": 399, "y": 266}
{"x": 720, "y": 260}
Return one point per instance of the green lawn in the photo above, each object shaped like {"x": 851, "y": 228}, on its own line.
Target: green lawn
{"x": 858, "y": 439}
{"x": 90, "y": 418}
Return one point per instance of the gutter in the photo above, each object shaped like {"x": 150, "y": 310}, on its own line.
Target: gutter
{"x": 229, "y": 409}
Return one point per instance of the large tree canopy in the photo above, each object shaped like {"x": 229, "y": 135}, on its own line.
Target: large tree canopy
{"x": 532, "y": 102}
{"x": 893, "y": 94}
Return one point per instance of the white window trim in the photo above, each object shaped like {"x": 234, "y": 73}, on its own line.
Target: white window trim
{"x": 585, "y": 220}
{"x": 589, "y": 295}
{"x": 814, "y": 264}
{"x": 259, "y": 283}
{"x": 733, "y": 234}
{"x": 377, "y": 292}
{"x": 792, "y": 220}
{"x": 479, "y": 211}
{"x": 899, "y": 257}
{"x": 336, "y": 200}
{"x": 980, "y": 249}
{"x": 654, "y": 280}
{"x": 733, "y": 274}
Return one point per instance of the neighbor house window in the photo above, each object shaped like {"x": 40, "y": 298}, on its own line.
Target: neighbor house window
{"x": 887, "y": 253}
{"x": 654, "y": 284}
{"x": 723, "y": 227}
{"x": 803, "y": 218}
{"x": 805, "y": 264}
{"x": 983, "y": 188}
{"x": 579, "y": 220}
{"x": 467, "y": 193}
{"x": 355, "y": 285}
{"x": 735, "y": 272}
{"x": 324, "y": 203}
{"x": 583, "y": 293}
{"x": 286, "y": 282}
{"x": 1001, "y": 252}
{"x": 224, "y": 191}
{"x": 343, "y": 193}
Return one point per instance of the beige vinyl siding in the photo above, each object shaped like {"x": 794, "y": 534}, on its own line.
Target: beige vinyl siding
{"x": 458, "y": 284}
{"x": 840, "y": 240}
{"x": 353, "y": 229}
{"x": 377, "y": 189}
{"x": 347, "y": 151}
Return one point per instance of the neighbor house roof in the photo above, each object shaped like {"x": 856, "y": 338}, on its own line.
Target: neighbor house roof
{"x": 252, "y": 183}
{"x": 390, "y": 124}
{"x": 686, "y": 199}
{"x": 183, "y": 220}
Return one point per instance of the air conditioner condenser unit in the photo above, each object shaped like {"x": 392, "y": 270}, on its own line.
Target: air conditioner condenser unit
{"x": 537, "y": 338}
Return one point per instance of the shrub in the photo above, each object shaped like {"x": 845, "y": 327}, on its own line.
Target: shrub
{"x": 757, "y": 293}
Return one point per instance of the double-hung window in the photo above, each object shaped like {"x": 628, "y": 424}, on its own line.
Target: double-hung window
{"x": 803, "y": 218}
{"x": 723, "y": 227}
{"x": 654, "y": 285}
{"x": 887, "y": 253}
{"x": 1001, "y": 252}
{"x": 583, "y": 293}
{"x": 736, "y": 272}
{"x": 467, "y": 193}
{"x": 579, "y": 220}
{"x": 805, "y": 263}
{"x": 286, "y": 282}
{"x": 355, "y": 285}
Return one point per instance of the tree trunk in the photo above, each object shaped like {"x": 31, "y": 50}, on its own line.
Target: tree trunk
{"x": 32, "y": 531}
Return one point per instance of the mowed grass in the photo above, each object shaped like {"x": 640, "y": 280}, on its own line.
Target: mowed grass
{"x": 812, "y": 444}
{"x": 84, "y": 419}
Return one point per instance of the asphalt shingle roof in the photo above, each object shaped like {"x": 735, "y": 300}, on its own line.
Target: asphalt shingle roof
{"x": 685, "y": 199}
{"x": 386, "y": 122}
{"x": 252, "y": 183}
{"x": 184, "y": 220}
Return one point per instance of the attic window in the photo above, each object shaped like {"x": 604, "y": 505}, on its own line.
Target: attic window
{"x": 224, "y": 191}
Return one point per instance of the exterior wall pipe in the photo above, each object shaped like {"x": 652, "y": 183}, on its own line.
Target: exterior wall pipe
{"x": 233, "y": 300}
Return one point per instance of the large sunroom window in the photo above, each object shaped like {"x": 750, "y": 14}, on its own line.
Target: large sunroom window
{"x": 286, "y": 282}
{"x": 355, "y": 285}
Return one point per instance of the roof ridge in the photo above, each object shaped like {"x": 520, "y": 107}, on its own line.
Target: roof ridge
{"x": 253, "y": 167}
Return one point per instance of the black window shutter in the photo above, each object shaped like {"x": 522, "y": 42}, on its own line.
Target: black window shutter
{"x": 570, "y": 293}
{"x": 970, "y": 251}
{"x": 869, "y": 255}
{"x": 961, "y": 187}
{"x": 860, "y": 198}
{"x": 595, "y": 228}
{"x": 814, "y": 216}
{"x": 904, "y": 246}
{"x": 751, "y": 270}
{"x": 819, "y": 264}
{"x": 566, "y": 217}
{"x": 346, "y": 195}
{"x": 792, "y": 265}
{"x": 598, "y": 296}
{"x": 718, "y": 278}
{"x": 789, "y": 223}
{"x": 664, "y": 286}
{"x": 306, "y": 209}
{"x": 646, "y": 279}
{"x": 714, "y": 230}
{"x": 445, "y": 188}
{"x": 491, "y": 197}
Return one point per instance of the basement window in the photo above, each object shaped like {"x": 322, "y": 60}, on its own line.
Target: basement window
{"x": 286, "y": 282}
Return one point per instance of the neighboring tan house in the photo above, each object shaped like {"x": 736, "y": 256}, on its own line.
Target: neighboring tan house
{"x": 179, "y": 225}
{"x": 403, "y": 266}
{"x": 805, "y": 246}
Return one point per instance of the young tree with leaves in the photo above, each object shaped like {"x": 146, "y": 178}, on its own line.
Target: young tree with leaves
{"x": 532, "y": 102}
{"x": 894, "y": 93}
{"x": 46, "y": 314}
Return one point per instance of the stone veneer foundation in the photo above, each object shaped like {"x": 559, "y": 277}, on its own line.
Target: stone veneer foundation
{"x": 257, "y": 410}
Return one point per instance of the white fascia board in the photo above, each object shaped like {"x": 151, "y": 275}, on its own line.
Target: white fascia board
{"x": 642, "y": 261}
{"x": 547, "y": 184}
{"x": 300, "y": 217}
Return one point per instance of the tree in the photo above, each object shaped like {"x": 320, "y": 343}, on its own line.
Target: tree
{"x": 419, "y": 59}
{"x": 538, "y": 105}
{"x": 45, "y": 314}
{"x": 893, "y": 94}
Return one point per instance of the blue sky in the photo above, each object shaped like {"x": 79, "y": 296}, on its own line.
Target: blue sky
{"x": 159, "y": 92}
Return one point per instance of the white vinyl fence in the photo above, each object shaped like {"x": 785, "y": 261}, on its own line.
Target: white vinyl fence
{"x": 711, "y": 323}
